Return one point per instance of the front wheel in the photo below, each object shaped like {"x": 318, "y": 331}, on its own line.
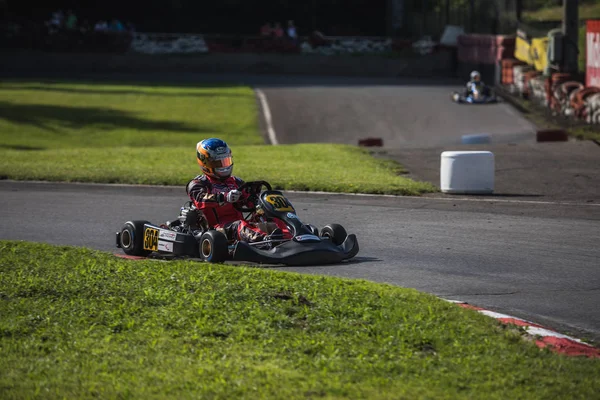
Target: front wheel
{"x": 131, "y": 238}
{"x": 335, "y": 232}
{"x": 313, "y": 229}
{"x": 214, "y": 247}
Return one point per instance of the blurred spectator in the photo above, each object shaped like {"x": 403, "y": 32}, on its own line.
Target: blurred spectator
{"x": 116, "y": 26}
{"x": 56, "y": 22}
{"x": 291, "y": 31}
{"x": 71, "y": 20}
{"x": 101, "y": 26}
{"x": 278, "y": 31}
{"x": 266, "y": 29}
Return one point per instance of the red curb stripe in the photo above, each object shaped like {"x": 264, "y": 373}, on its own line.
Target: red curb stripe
{"x": 470, "y": 307}
{"x": 568, "y": 347}
{"x": 518, "y": 322}
{"x": 560, "y": 345}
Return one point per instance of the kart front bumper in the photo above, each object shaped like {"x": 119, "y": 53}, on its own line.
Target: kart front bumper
{"x": 294, "y": 253}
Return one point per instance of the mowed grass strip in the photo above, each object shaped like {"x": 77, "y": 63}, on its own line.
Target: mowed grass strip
{"x": 147, "y": 135}
{"x": 332, "y": 168}
{"x": 83, "y": 324}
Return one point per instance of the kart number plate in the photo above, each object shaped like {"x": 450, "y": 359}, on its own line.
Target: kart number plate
{"x": 151, "y": 239}
{"x": 279, "y": 203}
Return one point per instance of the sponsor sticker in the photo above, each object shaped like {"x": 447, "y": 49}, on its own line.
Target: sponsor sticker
{"x": 303, "y": 238}
{"x": 165, "y": 246}
{"x": 169, "y": 235}
{"x": 292, "y": 216}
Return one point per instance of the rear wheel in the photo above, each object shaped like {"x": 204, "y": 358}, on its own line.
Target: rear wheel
{"x": 335, "y": 232}
{"x": 131, "y": 238}
{"x": 214, "y": 247}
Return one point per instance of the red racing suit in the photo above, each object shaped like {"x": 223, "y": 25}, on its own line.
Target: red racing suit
{"x": 208, "y": 195}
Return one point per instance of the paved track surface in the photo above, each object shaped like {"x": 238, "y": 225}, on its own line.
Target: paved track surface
{"x": 405, "y": 114}
{"x": 534, "y": 261}
{"x": 530, "y": 251}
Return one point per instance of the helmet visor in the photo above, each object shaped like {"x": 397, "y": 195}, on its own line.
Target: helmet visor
{"x": 222, "y": 162}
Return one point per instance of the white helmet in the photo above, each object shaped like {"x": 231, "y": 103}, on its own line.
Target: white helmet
{"x": 475, "y": 76}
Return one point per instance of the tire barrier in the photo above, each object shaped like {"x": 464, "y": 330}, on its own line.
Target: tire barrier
{"x": 593, "y": 109}
{"x": 341, "y": 45}
{"x": 527, "y": 73}
{"x": 579, "y": 102}
{"x": 537, "y": 89}
{"x": 562, "y": 93}
{"x": 508, "y": 76}
{"x": 519, "y": 74}
{"x": 168, "y": 44}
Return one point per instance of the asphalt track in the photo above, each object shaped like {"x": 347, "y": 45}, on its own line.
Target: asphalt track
{"x": 534, "y": 258}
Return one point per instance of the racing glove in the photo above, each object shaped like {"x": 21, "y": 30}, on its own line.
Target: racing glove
{"x": 230, "y": 197}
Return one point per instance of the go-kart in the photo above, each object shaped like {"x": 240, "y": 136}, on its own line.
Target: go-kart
{"x": 477, "y": 95}
{"x": 191, "y": 236}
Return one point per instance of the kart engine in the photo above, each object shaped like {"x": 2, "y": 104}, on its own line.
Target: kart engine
{"x": 190, "y": 220}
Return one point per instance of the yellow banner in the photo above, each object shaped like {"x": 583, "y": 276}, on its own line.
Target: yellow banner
{"x": 539, "y": 53}
{"x": 522, "y": 50}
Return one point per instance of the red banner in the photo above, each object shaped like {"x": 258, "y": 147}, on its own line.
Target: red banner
{"x": 592, "y": 74}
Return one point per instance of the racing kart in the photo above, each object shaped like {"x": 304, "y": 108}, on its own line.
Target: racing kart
{"x": 477, "y": 95}
{"x": 191, "y": 236}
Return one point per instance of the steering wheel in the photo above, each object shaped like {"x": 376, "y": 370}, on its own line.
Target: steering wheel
{"x": 252, "y": 189}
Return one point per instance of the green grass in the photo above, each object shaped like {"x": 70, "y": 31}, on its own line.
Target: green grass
{"x": 335, "y": 168}
{"x": 146, "y": 135}
{"x": 83, "y": 324}
{"x": 42, "y": 115}
{"x": 588, "y": 10}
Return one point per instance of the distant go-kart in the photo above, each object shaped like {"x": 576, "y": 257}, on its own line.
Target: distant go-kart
{"x": 478, "y": 95}
{"x": 191, "y": 236}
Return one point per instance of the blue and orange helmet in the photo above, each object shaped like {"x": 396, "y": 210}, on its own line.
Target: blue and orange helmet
{"x": 214, "y": 158}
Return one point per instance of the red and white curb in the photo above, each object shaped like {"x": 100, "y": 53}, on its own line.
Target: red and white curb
{"x": 544, "y": 337}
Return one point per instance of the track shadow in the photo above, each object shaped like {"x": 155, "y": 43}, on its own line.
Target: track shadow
{"x": 353, "y": 261}
{"x": 46, "y": 116}
{"x": 20, "y": 147}
{"x": 50, "y": 88}
{"x": 219, "y": 80}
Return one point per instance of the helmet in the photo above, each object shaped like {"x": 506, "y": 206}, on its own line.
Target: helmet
{"x": 475, "y": 76}
{"x": 214, "y": 158}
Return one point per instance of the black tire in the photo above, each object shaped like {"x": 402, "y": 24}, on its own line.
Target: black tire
{"x": 131, "y": 238}
{"x": 336, "y": 232}
{"x": 213, "y": 247}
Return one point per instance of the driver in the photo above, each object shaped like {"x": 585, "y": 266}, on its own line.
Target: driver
{"x": 475, "y": 82}
{"x": 216, "y": 190}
